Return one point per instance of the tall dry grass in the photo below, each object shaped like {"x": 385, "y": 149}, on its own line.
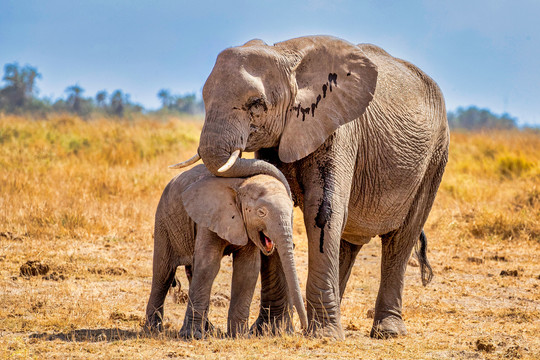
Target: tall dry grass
{"x": 80, "y": 197}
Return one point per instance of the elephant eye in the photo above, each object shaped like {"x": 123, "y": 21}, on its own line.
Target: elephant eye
{"x": 261, "y": 212}
{"x": 256, "y": 106}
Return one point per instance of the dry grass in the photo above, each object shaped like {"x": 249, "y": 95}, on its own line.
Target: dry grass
{"x": 80, "y": 197}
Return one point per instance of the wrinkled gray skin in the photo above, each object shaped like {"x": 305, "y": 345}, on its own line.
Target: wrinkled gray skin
{"x": 201, "y": 218}
{"x": 362, "y": 139}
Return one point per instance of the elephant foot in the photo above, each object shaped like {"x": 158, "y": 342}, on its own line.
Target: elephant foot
{"x": 153, "y": 324}
{"x": 388, "y": 327}
{"x": 327, "y": 331}
{"x": 266, "y": 324}
{"x": 190, "y": 331}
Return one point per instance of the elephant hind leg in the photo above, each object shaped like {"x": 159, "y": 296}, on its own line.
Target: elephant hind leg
{"x": 164, "y": 265}
{"x": 396, "y": 250}
{"x": 347, "y": 256}
{"x": 162, "y": 280}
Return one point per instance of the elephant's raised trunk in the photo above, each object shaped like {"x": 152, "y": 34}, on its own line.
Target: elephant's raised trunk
{"x": 216, "y": 152}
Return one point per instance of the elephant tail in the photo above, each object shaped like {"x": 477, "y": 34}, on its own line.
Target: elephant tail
{"x": 421, "y": 253}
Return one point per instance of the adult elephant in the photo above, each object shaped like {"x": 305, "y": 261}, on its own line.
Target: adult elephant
{"x": 362, "y": 139}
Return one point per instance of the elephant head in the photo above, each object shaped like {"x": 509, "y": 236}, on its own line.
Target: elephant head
{"x": 291, "y": 96}
{"x": 257, "y": 208}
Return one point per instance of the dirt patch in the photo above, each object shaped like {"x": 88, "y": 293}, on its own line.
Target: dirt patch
{"x": 10, "y": 236}
{"x": 33, "y": 268}
{"x": 370, "y": 314}
{"x": 179, "y": 296}
{"x": 513, "y": 273}
{"x": 114, "y": 270}
{"x": 485, "y": 345}
{"x": 55, "y": 276}
{"x": 120, "y": 316}
{"x": 220, "y": 300}
{"x": 497, "y": 257}
{"x": 475, "y": 260}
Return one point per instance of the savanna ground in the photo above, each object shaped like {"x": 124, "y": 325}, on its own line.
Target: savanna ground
{"x": 79, "y": 197}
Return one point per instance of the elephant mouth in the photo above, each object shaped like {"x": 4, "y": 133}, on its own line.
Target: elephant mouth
{"x": 268, "y": 245}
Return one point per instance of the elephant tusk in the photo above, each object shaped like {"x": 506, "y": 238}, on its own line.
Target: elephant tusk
{"x": 230, "y": 162}
{"x": 188, "y": 162}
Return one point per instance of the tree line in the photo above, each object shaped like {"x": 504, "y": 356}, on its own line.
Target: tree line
{"x": 19, "y": 96}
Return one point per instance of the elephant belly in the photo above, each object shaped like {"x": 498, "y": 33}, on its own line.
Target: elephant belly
{"x": 378, "y": 207}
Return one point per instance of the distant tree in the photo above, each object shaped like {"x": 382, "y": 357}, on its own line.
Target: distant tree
{"x": 474, "y": 118}
{"x": 74, "y": 99}
{"x": 165, "y": 96}
{"x": 180, "y": 103}
{"x": 101, "y": 98}
{"x": 118, "y": 101}
{"x": 20, "y": 87}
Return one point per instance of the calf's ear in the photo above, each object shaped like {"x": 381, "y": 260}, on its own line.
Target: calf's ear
{"x": 212, "y": 202}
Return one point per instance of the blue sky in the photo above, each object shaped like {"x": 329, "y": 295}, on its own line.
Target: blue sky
{"x": 484, "y": 53}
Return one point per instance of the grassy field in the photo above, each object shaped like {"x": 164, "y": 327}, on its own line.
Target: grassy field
{"x": 79, "y": 197}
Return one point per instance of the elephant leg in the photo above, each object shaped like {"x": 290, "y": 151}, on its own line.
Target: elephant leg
{"x": 347, "y": 256}
{"x": 164, "y": 270}
{"x": 396, "y": 250}
{"x": 206, "y": 263}
{"x": 274, "y": 311}
{"x": 323, "y": 287}
{"x": 246, "y": 266}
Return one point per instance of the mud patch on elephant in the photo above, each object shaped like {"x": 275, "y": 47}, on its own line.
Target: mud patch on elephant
{"x": 324, "y": 213}
{"x": 323, "y": 216}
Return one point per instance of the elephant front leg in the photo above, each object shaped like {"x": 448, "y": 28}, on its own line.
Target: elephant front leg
{"x": 274, "y": 312}
{"x": 323, "y": 287}
{"x": 206, "y": 263}
{"x": 246, "y": 266}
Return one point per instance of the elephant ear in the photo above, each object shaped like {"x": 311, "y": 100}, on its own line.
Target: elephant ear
{"x": 212, "y": 202}
{"x": 334, "y": 82}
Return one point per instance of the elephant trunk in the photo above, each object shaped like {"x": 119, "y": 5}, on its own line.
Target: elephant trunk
{"x": 215, "y": 153}
{"x": 285, "y": 250}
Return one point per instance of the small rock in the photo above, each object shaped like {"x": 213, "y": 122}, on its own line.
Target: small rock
{"x": 10, "y": 236}
{"x": 179, "y": 295}
{"x": 413, "y": 262}
{"x": 497, "y": 257}
{"x": 54, "y": 276}
{"x": 352, "y": 327}
{"x": 34, "y": 268}
{"x": 118, "y": 315}
{"x": 514, "y": 352}
{"x": 370, "y": 314}
{"x": 513, "y": 273}
{"x": 219, "y": 300}
{"x": 475, "y": 260}
{"x": 108, "y": 271}
{"x": 484, "y": 345}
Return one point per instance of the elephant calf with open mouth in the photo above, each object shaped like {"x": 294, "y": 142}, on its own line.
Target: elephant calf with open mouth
{"x": 199, "y": 219}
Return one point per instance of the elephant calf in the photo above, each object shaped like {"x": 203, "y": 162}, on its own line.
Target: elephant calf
{"x": 199, "y": 219}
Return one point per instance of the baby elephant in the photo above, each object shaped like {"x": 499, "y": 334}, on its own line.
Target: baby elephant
{"x": 199, "y": 219}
